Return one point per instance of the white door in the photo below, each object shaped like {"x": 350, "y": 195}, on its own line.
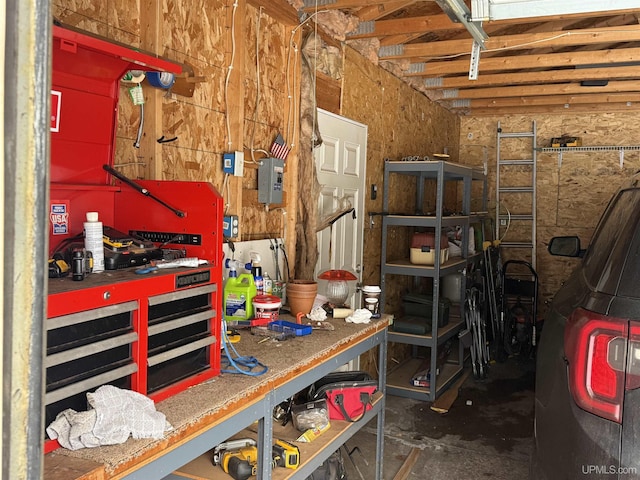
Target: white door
{"x": 340, "y": 164}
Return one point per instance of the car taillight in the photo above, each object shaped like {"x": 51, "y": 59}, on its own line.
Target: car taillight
{"x": 633, "y": 363}
{"x": 596, "y": 348}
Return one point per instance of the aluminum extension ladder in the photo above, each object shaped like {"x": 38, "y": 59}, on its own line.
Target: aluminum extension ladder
{"x": 516, "y": 192}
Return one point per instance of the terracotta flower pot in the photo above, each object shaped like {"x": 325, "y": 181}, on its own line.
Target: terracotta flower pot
{"x": 301, "y": 295}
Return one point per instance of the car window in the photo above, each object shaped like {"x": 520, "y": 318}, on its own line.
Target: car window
{"x": 607, "y": 252}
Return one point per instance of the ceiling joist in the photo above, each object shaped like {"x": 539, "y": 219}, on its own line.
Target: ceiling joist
{"x": 554, "y": 100}
{"x": 549, "y": 89}
{"x": 525, "y": 41}
{"x": 535, "y": 63}
{"x": 540, "y": 78}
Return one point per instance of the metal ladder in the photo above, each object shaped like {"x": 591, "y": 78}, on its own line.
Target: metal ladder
{"x": 516, "y": 200}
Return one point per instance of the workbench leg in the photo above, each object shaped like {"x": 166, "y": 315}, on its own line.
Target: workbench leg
{"x": 382, "y": 386}
{"x": 265, "y": 439}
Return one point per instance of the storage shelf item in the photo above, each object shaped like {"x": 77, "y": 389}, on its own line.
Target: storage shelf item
{"x": 310, "y": 452}
{"x": 444, "y": 334}
{"x": 399, "y": 380}
{"x": 430, "y": 180}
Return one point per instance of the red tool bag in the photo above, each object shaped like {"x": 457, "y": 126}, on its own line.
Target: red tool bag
{"x": 349, "y": 394}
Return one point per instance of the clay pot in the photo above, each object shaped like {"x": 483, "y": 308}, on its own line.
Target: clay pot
{"x": 301, "y": 295}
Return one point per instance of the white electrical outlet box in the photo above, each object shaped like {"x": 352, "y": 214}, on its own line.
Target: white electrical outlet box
{"x": 230, "y": 226}
{"x": 233, "y": 163}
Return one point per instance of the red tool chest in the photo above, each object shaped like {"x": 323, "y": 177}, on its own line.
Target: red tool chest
{"x": 158, "y": 333}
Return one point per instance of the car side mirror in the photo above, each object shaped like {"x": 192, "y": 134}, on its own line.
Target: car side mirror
{"x": 565, "y": 247}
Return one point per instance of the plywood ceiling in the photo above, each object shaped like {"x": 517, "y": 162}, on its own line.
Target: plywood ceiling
{"x": 554, "y": 64}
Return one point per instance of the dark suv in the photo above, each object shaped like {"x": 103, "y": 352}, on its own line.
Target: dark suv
{"x": 587, "y": 400}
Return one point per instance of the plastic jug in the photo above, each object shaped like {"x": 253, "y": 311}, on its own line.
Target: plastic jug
{"x": 238, "y": 295}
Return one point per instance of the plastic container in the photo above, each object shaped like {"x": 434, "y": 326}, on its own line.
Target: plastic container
{"x": 256, "y": 271}
{"x": 422, "y": 250}
{"x": 266, "y": 307}
{"x": 371, "y": 299}
{"x": 268, "y": 284}
{"x": 296, "y": 328}
{"x": 237, "y": 297}
{"x": 257, "y": 279}
{"x": 421, "y": 305}
{"x": 93, "y": 242}
{"x": 452, "y": 287}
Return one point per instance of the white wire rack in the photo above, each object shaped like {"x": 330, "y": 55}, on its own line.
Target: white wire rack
{"x": 595, "y": 148}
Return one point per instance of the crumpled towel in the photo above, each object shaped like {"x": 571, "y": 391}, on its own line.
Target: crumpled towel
{"x": 114, "y": 415}
{"x": 317, "y": 314}
{"x": 361, "y": 315}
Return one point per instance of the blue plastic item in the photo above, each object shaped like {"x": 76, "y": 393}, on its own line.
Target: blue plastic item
{"x": 161, "y": 79}
{"x": 284, "y": 326}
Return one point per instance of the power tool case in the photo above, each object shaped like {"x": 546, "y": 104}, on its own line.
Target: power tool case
{"x": 349, "y": 394}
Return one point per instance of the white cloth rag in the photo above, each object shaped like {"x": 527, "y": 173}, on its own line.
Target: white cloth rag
{"x": 114, "y": 415}
{"x": 317, "y": 314}
{"x": 361, "y": 315}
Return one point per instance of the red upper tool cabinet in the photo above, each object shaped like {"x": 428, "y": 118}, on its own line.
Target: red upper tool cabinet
{"x": 157, "y": 333}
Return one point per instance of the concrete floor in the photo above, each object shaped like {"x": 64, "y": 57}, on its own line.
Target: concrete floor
{"x": 490, "y": 438}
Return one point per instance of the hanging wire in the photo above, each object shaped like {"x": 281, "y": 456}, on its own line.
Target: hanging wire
{"x": 240, "y": 364}
{"x": 504, "y": 235}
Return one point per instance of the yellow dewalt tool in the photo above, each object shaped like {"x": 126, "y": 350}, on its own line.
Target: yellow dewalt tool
{"x": 285, "y": 454}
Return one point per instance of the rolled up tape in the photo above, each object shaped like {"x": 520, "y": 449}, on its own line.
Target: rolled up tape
{"x": 161, "y": 79}
{"x": 133, "y": 76}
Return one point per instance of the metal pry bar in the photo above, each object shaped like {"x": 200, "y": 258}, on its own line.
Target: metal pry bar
{"x": 142, "y": 190}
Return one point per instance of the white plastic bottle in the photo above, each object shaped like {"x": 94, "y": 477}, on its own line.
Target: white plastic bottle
{"x": 267, "y": 284}
{"x": 93, "y": 240}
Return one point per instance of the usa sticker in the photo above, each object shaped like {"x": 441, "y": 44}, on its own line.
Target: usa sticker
{"x": 59, "y": 217}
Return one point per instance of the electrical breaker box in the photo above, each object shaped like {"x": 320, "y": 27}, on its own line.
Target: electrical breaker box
{"x": 270, "y": 180}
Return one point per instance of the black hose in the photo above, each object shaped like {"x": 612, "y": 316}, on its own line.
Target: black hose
{"x": 286, "y": 260}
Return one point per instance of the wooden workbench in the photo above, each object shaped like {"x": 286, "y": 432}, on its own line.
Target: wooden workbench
{"x": 211, "y": 412}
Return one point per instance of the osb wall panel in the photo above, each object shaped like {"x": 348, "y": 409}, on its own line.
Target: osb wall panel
{"x": 267, "y": 60}
{"x": 401, "y": 122}
{"x": 571, "y": 196}
{"x": 198, "y": 33}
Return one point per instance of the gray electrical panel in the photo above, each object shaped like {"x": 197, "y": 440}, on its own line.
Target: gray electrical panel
{"x": 270, "y": 180}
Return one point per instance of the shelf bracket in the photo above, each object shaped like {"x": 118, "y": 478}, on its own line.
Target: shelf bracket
{"x": 474, "y": 61}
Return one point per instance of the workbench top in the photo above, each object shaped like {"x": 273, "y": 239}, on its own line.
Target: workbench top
{"x": 108, "y": 278}
{"x": 202, "y": 406}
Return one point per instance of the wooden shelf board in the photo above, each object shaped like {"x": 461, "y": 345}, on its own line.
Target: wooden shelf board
{"x": 412, "y": 338}
{"x": 400, "y": 377}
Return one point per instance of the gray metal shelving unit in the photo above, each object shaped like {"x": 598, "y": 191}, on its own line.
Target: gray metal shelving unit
{"x": 399, "y": 379}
